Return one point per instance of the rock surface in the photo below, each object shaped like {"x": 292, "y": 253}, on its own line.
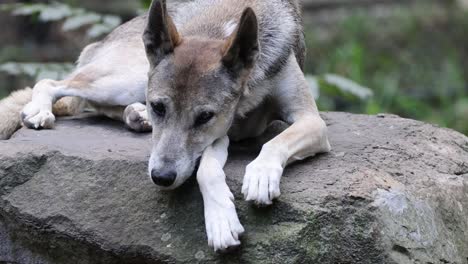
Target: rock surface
{"x": 392, "y": 191}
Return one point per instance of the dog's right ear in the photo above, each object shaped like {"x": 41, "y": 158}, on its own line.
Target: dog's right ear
{"x": 242, "y": 47}
{"x": 160, "y": 36}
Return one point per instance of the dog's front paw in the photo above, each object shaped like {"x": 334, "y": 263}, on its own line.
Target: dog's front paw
{"x": 34, "y": 117}
{"x": 136, "y": 118}
{"x": 223, "y": 227}
{"x": 262, "y": 182}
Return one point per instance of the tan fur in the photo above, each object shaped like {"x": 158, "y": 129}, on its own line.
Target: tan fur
{"x": 112, "y": 112}
{"x": 201, "y": 55}
{"x": 68, "y": 106}
{"x": 174, "y": 35}
{"x": 84, "y": 79}
{"x": 10, "y": 109}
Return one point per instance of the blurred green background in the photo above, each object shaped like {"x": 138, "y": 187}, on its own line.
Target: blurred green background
{"x": 408, "y": 58}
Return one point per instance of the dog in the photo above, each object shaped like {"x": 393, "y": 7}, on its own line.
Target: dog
{"x": 197, "y": 74}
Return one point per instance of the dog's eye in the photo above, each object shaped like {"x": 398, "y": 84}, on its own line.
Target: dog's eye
{"x": 204, "y": 118}
{"x": 159, "y": 109}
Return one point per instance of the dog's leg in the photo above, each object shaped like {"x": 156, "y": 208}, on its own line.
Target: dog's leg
{"x": 134, "y": 115}
{"x": 38, "y": 113}
{"x": 136, "y": 118}
{"x": 107, "y": 87}
{"x": 222, "y": 224}
{"x": 306, "y": 137}
{"x": 112, "y": 112}
{"x": 68, "y": 106}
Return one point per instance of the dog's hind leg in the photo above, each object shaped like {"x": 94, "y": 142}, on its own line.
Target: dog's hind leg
{"x": 223, "y": 227}
{"x": 100, "y": 86}
{"x": 136, "y": 118}
{"x": 134, "y": 115}
{"x": 68, "y": 106}
{"x": 306, "y": 137}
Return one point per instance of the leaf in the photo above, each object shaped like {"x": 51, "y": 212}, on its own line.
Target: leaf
{"x": 313, "y": 85}
{"x": 74, "y": 17}
{"x": 38, "y": 71}
{"x": 347, "y": 86}
{"x": 98, "y": 30}
{"x": 111, "y": 21}
{"x": 80, "y": 20}
{"x": 55, "y": 12}
{"x": 10, "y": 68}
{"x": 23, "y": 9}
{"x": 47, "y": 12}
{"x": 55, "y": 71}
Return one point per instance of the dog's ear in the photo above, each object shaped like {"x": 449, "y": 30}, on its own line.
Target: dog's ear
{"x": 160, "y": 36}
{"x": 241, "y": 49}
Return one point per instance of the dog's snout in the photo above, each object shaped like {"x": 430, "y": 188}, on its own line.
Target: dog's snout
{"x": 163, "y": 178}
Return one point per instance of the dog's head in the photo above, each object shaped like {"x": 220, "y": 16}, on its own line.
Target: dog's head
{"x": 194, "y": 87}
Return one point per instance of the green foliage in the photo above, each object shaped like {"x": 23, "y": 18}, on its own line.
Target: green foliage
{"x": 415, "y": 62}
{"x": 74, "y": 18}
{"x": 38, "y": 71}
{"x": 146, "y": 3}
{"x": 331, "y": 89}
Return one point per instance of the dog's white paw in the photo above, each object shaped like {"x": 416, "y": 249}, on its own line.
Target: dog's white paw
{"x": 223, "y": 227}
{"x": 136, "y": 118}
{"x": 36, "y": 117}
{"x": 262, "y": 182}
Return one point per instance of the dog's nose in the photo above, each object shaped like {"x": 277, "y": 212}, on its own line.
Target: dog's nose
{"x": 164, "y": 179}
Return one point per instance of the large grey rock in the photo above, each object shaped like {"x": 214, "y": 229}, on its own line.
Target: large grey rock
{"x": 392, "y": 191}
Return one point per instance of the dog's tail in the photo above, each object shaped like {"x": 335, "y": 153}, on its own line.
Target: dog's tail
{"x": 10, "y": 109}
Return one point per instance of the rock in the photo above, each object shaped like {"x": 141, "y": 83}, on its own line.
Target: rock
{"x": 392, "y": 191}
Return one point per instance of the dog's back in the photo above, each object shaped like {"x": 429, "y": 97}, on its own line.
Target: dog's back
{"x": 280, "y": 29}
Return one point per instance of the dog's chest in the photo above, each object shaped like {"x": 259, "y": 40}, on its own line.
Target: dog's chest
{"x": 254, "y": 122}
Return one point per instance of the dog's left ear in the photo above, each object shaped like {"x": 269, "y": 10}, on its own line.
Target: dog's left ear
{"x": 242, "y": 47}
{"x": 160, "y": 36}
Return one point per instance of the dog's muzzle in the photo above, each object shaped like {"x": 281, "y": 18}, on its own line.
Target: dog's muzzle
{"x": 163, "y": 178}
